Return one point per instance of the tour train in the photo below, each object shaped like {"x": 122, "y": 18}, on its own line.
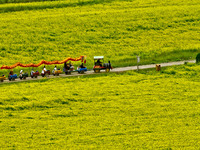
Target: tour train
{"x": 67, "y": 69}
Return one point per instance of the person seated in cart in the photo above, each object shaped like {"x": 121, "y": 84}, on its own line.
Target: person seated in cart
{"x": 71, "y": 66}
{"x": 55, "y": 69}
{"x": 11, "y": 72}
{"x": 44, "y": 70}
{"x": 32, "y": 72}
{"x": 99, "y": 63}
{"x": 66, "y": 67}
{"x": 81, "y": 66}
{"x": 21, "y": 72}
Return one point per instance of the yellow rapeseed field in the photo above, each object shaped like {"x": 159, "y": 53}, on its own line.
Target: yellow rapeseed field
{"x": 156, "y": 30}
{"x": 145, "y": 110}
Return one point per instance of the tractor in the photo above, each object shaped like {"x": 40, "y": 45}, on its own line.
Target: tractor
{"x": 100, "y": 65}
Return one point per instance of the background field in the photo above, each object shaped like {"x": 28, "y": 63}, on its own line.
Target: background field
{"x": 146, "y": 110}
{"x": 119, "y": 30}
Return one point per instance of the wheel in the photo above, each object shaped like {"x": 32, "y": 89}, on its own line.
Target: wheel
{"x": 107, "y": 70}
{"x": 20, "y": 78}
{"x": 31, "y": 76}
{"x": 82, "y": 72}
{"x": 13, "y": 79}
{"x": 35, "y": 76}
{"x": 24, "y": 78}
{"x": 1, "y": 80}
{"x": 96, "y": 70}
{"x": 9, "y": 79}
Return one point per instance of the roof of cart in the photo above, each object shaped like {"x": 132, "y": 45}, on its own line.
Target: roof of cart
{"x": 98, "y": 57}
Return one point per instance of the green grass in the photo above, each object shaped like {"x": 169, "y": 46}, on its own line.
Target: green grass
{"x": 157, "y": 31}
{"x": 145, "y": 110}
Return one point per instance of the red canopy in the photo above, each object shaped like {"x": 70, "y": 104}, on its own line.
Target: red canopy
{"x": 42, "y": 62}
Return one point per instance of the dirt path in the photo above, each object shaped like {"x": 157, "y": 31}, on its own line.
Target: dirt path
{"x": 120, "y": 69}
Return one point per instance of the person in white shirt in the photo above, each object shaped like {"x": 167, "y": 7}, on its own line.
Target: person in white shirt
{"x": 44, "y": 70}
{"x": 55, "y": 68}
{"x": 21, "y": 71}
{"x": 32, "y": 72}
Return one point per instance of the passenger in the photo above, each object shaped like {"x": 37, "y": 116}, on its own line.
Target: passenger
{"x": 98, "y": 63}
{"x": 81, "y": 66}
{"x": 32, "y": 72}
{"x": 21, "y": 72}
{"x": 55, "y": 69}
{"x": 11, "y": 72}
{"x": 71, "y": 66}
{"x": 44, "y": 70}
{"x": 65, "y": 65}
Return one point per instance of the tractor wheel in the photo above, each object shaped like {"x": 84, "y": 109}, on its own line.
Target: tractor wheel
{"x": 96, "y": 70}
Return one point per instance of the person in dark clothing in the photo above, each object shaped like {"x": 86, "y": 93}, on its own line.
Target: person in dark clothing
{"x": 81, "y": 66}
{"x": 65, "y": 65}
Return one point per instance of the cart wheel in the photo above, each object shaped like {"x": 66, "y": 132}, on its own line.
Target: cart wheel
{"x": 107, "y": 70}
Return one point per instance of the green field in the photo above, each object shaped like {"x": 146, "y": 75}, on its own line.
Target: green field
{"x": 145, "y": 110}
{"x": 157, "y": 31}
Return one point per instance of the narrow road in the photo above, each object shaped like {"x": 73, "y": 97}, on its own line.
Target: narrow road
{"x": 120, "y": 69}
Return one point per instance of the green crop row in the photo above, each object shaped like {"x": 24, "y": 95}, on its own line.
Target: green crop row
{"x": 21, "y": 1}
{"x": 145, "y": 110}
{"x": 48, "y": 4}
